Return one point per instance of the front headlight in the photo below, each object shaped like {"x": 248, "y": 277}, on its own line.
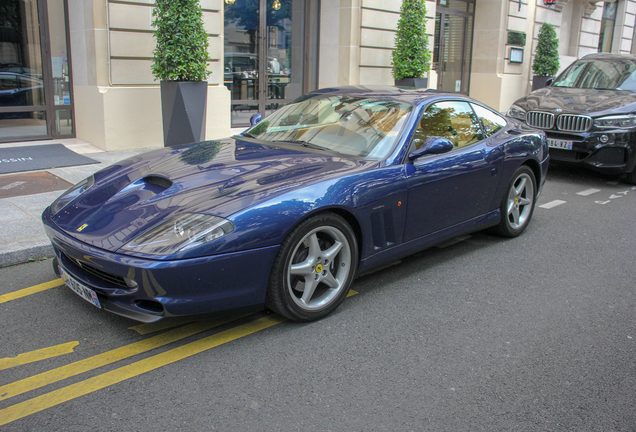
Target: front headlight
{"x": 622, "y": 121}
{"x": 71, "y": 194}
{"x": 180, "y": 233}
{"x": 516, "y": 112}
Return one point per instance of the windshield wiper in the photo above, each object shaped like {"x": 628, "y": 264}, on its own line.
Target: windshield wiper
{"x": 303, "y": 143}
{"x": 247, "y": 134}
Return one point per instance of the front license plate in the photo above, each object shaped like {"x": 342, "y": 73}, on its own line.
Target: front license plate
{"x": 80, "y": 289}
{"x": 560, "y": 144}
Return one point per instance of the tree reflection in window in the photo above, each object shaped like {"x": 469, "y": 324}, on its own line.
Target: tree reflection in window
{"x": 452, "y": 120}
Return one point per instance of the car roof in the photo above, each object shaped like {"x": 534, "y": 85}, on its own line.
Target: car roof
{"x": 405, "y": 94}
{"x": 609, "y": 56}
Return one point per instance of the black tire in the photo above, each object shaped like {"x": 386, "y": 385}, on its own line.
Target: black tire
{"x": 518, "y": 203}
{"x": 630, "y": 177}
{"x": 322, "y": 272}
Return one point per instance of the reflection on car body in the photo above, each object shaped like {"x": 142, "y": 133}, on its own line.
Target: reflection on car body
{"x": 336, "y": 183}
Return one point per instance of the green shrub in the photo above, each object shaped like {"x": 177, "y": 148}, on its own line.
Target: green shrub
{"x": 182, "y": 43}
{"x": 411, "y": 57}
{"x": 546, "y": 60}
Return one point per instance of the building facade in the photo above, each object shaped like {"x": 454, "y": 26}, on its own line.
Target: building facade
{"x": 81, "y": 68}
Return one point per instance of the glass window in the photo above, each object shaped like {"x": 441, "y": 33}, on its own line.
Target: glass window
{"x": 571, "y": 75}
{"x": 618, "y": 74}
{"x": 490, "y": 120}
{"x": 354, "y": 126}
{"x": 20, "y": 56}
{"x": 453, "y": 120}
{"x": 14, "y": 125}
{"x": 607, "y": 27}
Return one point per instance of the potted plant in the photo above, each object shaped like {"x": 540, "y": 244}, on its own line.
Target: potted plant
{"x": 546, "y": 60}
{"x": 180, "y": 63}
{"x": 411, "y": 58}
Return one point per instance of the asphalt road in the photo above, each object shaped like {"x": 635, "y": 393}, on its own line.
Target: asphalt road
{"x": 536, "y": 333}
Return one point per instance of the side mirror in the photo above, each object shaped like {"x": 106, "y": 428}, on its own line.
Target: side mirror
{"x": 549, "y": 82}
{"x": 255, "y": 119}
{"x": 432, "y": 145}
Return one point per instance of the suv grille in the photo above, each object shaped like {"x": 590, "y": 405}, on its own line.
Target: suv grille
{"x": 541, "y": 120}
{"x": 574, "y": 123}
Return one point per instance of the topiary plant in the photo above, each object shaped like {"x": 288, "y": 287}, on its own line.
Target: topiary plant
{"x": 181, "y": 53}
{"x": 546, "y": 60}
{"x": 411, "y": 57}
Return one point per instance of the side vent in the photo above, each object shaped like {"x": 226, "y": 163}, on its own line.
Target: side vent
{"x": 382, "y": 229}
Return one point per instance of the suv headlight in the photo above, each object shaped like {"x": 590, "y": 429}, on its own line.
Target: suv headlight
{"x": 181, "y": 233}
{"x": 621, "y": 121}
{"x": 71, "y": 194}
{"x": 516, "y": 112}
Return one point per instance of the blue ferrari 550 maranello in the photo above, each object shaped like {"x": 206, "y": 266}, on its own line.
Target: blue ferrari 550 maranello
{"x": 283, "y": 216}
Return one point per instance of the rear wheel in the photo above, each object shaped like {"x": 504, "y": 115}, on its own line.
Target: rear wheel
{"x": 518, "y": 204}
{"x": 314, "y": 268}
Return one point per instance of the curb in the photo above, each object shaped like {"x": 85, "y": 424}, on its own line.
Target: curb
{"x": 26, "y": 254}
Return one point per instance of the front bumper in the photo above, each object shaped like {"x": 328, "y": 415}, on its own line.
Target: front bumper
{"x": 616, "y": 156}
{"x": 150, "y": 290}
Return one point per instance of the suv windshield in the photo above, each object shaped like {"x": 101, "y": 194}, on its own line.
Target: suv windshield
{"x": 599, "y": 74}
{"x": 353, "y": 126}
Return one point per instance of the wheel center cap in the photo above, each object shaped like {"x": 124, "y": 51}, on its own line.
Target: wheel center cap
{"x": 318, "y": 268}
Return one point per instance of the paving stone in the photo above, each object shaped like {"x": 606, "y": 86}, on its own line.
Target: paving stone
{"x": 21, "y": 229}
{"x": 34, "y": 203}
{"x": 10, "y": 213}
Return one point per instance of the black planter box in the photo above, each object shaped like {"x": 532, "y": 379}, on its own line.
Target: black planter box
{"x": 538, "y": 82}
{"x": 412, "y": 82}
{"x": 183, "y": 107}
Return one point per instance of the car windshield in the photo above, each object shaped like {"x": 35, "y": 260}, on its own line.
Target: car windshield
{"x": 599, "y": 74}
{"x": 353, "y": 126}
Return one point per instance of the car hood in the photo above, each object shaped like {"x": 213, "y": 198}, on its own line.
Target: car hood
{"x": 213, "y": 177}
{"x": 580, "y": 101}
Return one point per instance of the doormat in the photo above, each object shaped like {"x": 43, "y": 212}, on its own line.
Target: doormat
{"x": 30, "y": 158}
{"x": 31, "y": 184}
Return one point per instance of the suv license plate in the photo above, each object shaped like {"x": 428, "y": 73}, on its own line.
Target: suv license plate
{"x": 560, "y": 144}
{"x": 80, "y": 289}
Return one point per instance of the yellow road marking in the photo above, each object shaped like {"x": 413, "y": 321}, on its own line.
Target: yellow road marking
{"x": 144, "y": 329}
{"x": 48, "y": 400}
{"x": 37, "y": 355}
{"x": 88, "y": 364}
{"x": 31, "y": 290}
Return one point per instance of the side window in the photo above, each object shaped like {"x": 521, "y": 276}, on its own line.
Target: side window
{"x": 490, "y": 120}
{"x": 453, "y": 120}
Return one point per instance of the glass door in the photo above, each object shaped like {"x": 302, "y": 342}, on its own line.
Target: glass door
{"x": 35, "y": 75}
{"x": 453, "y": 41}
{"x": 263, "y": 61}
{"x": 22, "y": 103}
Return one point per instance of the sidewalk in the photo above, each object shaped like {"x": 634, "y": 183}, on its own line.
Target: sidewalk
{"x": 22, "y": 235}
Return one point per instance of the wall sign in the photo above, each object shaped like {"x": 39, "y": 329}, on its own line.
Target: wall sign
{"x": 516, "y": 55}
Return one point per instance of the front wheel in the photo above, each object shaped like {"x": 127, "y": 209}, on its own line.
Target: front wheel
{"x": 314, "y": 268}
{"x": 630, "y": 177}
{"x": 518, "y": 204}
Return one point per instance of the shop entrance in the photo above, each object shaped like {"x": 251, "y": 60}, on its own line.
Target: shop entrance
{"x": 264, "y": 62}
{"x": 36, "y": 100}
{"x": 452, "y": 52}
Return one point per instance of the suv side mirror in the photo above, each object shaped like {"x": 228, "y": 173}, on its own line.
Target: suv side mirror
{"x": 549, "y": 82}
{"x": 432, "y": 145}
